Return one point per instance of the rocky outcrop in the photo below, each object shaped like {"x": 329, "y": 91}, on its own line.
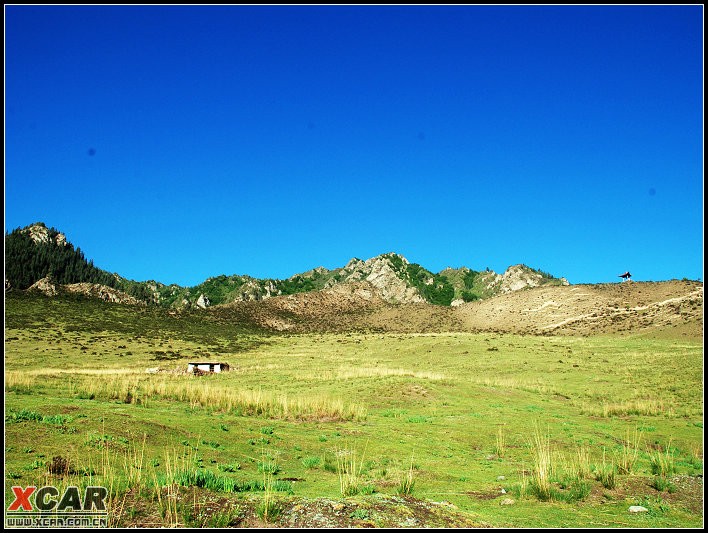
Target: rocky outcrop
{"x": 46, "y": 286}
{"x": 40, "y": 234}
{"x": 519, "y": 277}
{"x": 252, "y": 291}
{"x": 515, "y": 278}
{"x": 392, "y": 288}
{"x": 314, "y": 271}
{"x": 270, "y": 289}
{"x": 382, "y": 274}
{"x": 102, "y": 292}
{"x": 490, "y": 281}
{"x": 203, "y": 302}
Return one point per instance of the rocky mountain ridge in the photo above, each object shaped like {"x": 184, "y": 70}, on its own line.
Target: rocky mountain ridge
{"x": 49, "y": 287}
{"x": 390, "y": 276}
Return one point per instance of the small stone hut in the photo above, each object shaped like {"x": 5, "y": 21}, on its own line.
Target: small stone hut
{"x": 207, "y": 367}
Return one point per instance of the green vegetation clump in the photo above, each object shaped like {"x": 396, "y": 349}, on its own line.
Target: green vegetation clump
{"x": 544, "y": 275}
{"x": 297, "y": 284}
{"x": 435, "y": 288}
{"x": 469, "y": 296}
{"x": 311, "y": 462}
{"x": 463, "y": 283}
{"x": 23, "y": 415}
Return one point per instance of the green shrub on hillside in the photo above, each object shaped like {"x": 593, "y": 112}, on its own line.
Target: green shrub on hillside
{"x": 435, "y": 288}
{"x": 469, "y": 296}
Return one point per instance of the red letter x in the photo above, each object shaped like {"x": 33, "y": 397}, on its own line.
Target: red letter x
{"x": 22, "y": 499}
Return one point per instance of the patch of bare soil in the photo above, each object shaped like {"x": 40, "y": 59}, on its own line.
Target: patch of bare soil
{"x": 631, "y": 307}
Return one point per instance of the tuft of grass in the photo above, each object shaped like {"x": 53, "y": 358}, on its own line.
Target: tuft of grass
{"x": 35, "y": 465}
{"x": 231, "y": 467}
{"x": 181, "y": 472}
{"x": 311, "y": 462}
{"x": 329, "y": 465}
{"x": 575, "y": 491}
{"x": 269, "y": 509}
{"x": 228, "y": 518}
{"x": 582, "y": 463}
{"x": 629, "y": 408}
{"x": 407, "y": 482}
{"x": 100, "y": 442}
{"x": 268, "y": 466}
{"x": 605, "y": 473}
{"x": 367, "y": 489}
{"x": 167, "y": 504}
{"x": 694, "y": 459}
{"x": 349, "y": 471}
{"x": 663, "y": 484}
{"x": 663, "y": 463}
{"x": 540, "y": 483}
{"x": 59, "y": 420}
{"x": 500, "y": 447}
{"x": 627, "y": 457}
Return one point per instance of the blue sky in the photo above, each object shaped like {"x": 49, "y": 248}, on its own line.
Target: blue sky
{"x": 178, "y": 143}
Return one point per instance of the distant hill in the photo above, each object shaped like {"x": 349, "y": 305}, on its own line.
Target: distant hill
{"x": 35, "y": 252}
{"x": 41, "y": 257}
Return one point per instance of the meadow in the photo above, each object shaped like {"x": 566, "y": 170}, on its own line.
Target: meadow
{"x": 498, "y": 429}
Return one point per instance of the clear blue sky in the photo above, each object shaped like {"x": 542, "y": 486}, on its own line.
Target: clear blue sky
{"x": 178, "y": 143}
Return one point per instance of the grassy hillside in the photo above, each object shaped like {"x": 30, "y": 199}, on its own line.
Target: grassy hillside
{"x": 325, "y": 430}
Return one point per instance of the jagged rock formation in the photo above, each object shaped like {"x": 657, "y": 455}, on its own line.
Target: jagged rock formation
{"x": 102, "y": 292}
{"x": 39, "y": 233}
{"x": 203, "y": 302}
{"x": 382, "y": 274}
{"x": 49, "y": 287}
{"x": 46, "y": 286}
{"x": 519, "y": 277}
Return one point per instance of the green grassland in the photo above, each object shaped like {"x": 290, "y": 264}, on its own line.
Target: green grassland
{"x": 579, "y": 428}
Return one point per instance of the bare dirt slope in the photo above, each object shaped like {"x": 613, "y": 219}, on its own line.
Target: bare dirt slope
{"x": 670, "y": 307}
{"x": 592, "y": 309}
